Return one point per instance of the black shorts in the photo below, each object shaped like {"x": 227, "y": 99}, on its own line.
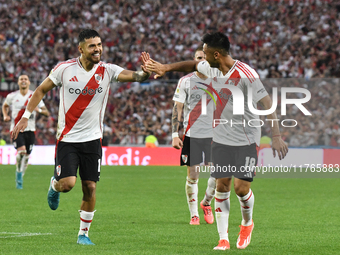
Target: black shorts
{"x": 26, "y": 138}
{"x": 237, "y": 161}
{"x": 87, "y": 156}
{"x": 194, "y": 149}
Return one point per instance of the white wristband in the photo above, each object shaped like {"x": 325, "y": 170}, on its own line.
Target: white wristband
{"x": 40, "y": 110}
{"x": 27, "y": 114}
{"x": 175, "y": 134}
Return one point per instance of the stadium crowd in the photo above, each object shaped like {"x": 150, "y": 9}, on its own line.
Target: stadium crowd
{"x": 280, "y": 39}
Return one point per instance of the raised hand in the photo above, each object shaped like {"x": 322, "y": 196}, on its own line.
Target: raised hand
{"x": 145, "y": 57}
{"x": 152, "y": 65}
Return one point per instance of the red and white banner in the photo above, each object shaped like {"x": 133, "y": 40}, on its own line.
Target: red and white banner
{"x": 44, "y": 155}
{"x": 168, "y": 156}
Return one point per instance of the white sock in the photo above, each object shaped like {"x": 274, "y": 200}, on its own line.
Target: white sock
{"x": 247, "y": 205}
{"x": 191, "y": 190}
{"x": 53, "y": 185}
{"x": 210, "y": 191}
{"x": 222, "y": 207}
{"x": 19, "y": 157}
{"x": 85, "y": 222}
{"x": 24, "y": 164}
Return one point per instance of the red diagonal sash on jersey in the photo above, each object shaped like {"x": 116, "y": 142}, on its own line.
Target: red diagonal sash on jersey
{"x": 80, "y": 104}
{"x": 235, "y": 77}
{"x": 22, "y": 111}
{"x": 197, "y": 110}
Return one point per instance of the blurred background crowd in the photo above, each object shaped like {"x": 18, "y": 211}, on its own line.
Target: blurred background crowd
{"x": 280, "y": 39}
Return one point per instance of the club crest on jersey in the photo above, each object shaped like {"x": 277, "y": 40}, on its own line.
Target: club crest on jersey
{"x": 58, "y": 170}
{"x": 185, "y": 158}
{"x": 98, "y": 78}
{"x": 231, "y": 82}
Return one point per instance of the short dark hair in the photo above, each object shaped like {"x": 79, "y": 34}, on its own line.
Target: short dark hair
{"x": 199, "y": 48}
{"x": 217, "y": 40}
{"x": 86, "y": 34}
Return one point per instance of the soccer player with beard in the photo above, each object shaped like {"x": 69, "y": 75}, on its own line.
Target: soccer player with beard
{"x": 234, "y": 146}
{"x": 84, "y": 88}
{"x": 197, "y": 137}
{"x": 17, "y": 101}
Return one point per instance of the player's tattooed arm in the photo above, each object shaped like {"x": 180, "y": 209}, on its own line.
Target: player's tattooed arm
{"x": 175, "y": 123}
{"x": 176, "y": 116}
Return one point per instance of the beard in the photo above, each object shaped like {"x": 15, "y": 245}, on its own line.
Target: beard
{"x": 94, "y": 60}
{"x": 213, "y": 64}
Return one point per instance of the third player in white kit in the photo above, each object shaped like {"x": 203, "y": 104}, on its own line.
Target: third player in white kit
{"x": 17, "y": 102}
{"x": 197, "y": 137}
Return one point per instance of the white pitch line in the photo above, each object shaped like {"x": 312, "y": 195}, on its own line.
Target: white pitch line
{"x": 14, "y": 234}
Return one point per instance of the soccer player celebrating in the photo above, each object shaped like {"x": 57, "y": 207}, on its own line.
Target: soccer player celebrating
{"x": 84, "y": 88}
{"x": 235, "y": 145}
{"x": 18, "y": 101}
{"x": 197, "y": 137}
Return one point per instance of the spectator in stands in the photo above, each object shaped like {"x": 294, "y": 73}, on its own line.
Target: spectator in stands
{"x": 35, "y": 35}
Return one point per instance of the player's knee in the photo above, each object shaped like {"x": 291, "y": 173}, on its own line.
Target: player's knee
{"x": 89, "y": 187}
{"x": 66, "y": 186}
{"x": 241, "y": 190}
{"x": 21, "y": 152}
{"x": 221, "y": 187}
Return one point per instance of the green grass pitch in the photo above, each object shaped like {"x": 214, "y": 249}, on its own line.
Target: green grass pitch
{"x": 143, "y": 210}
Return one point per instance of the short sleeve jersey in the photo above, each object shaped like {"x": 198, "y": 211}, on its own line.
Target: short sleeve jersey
{"x": 83, "y": 98}
{"x": 18, "y": 104}
{"x": 231, "y": 129}
{"x": 190, "y": 90}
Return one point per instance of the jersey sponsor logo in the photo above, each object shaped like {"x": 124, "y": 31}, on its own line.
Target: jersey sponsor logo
{"x": 86, "y": 91}
{"x": 58, "y": 170}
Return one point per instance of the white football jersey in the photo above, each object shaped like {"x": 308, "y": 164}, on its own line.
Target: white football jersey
{"x": 83, "y": 98}
{"x": 18, "y": 104}
{"x": 234, "y": 129}
{"x": 189, "y": 91}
